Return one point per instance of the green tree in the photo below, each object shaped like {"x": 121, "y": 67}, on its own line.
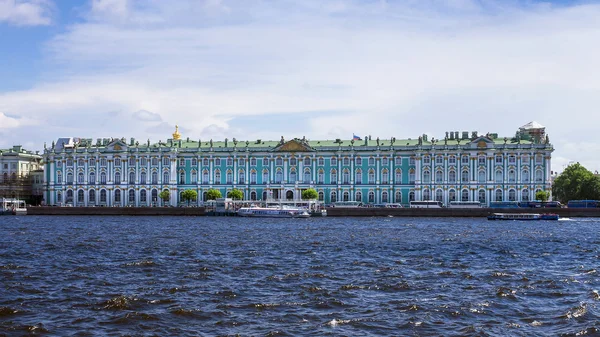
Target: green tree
{"x": 189, "y": 195}
{"x": 576, "y": 183}
{"x": 164, "y": 196}
{"x": 310, "y": 194}
{"x": 213, "y": 194}
{"x": 235, "y": 194}
{"x": 542, "y": 196}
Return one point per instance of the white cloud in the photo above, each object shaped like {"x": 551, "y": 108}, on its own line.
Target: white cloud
{"x": 26, "y": 13}
{"x": 334, "y": 68}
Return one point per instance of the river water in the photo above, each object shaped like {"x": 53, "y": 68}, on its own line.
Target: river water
{"x": 209, "y": 276}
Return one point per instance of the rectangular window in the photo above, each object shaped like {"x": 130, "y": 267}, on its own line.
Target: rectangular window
{"x": 241, "y": 161}
{"x": 181, "y": 162}
{"x": 498, "y": 159}
{"x": 144, "y": 161}
{"x": 464, "y": 160}
{"x": 346, "y": 161}
{"x": 398, "y": 161}
{"x": 411, "y": 161}
{"x": 384, "y": 161}
{"x": 229, "y": 161}
{"x": 321, "y": 161}
{"x": 131, "y": 161}
{"x": 452, "y": 160}
{"x": 265, "y": 161}
{"x": 439, "y": 160}
{"x": 252, "y": 161}
{"x": 194, "y": 162}
{"x": 103, "y": 162}
{"x": 539, "y": 159}
{"x": 333, "y": 161}
{"x": 371, "y": 161}
{"x": 481, "y": 160}
{"x": 154, "y": 161}
{"x": 166, "y": 161}
{"x": 426, "y": 160}
{"x": 217, "y": 161}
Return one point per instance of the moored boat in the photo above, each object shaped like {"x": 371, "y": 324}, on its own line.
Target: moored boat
{"x": 272, "y": 212}
{"x": 12, "y": 207}
{"x": 522, "y": 216}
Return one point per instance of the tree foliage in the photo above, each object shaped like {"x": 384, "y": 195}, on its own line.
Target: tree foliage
{"x": 310, "y": 194}
{"x": 213, "y": 194}
{"x": 235, "y": 194}
{"x": 576, "y": 183}
{"x": 542, "y": 196}
{"x": 189, "y": 195}
{"x": 164, "y": 195}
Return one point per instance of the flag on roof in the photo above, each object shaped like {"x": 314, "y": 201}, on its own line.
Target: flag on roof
{"x": 355, "y": 137}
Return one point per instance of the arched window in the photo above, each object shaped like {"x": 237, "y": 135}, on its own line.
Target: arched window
{"x": 132, "y": 177}
{"x": 321, "y": 177}
{"x": 81, "y": 162}
{"x": 91, "y": 197}
{"x": 154, "y": 177}
{"x": 92, "y": 178}
{"x": 346, "y": 177}
{"x": 321, "y": 196}
{"x": 411, "y": 176}
{"x": 384, "y": 196}
{"x": 103, "y": 196}
{"x": 217, "y": 177}
{"x": 278, "y": 161}
{"x": 69, "y": 196}
{"x": 482, "y": 197}
{"x": 165, "y": 179}
{"x": 539, "y": 176}
{"x": 426, "y": 177}
{"x": 452, "y": 176}
{"x": 439, "y": 176}
{"x": 58, "y": 177}
{"x": 131, "y": 197}
{"x": 307, "y": 175}
{"x": 398, "y": 177}
{"x": 194, "y": 177}
{"x": 371, "y": 196}
{"x": 265, "y": 176}
{"x": 143, "y": 196}
{"x": 205, "y": 178}
{"x": 102, "y": 177}
{"x": 499, "y": 177}
{"x": 525, "y": 195}
{"x": 385, "y": 176}
{"x": 117, "y": 178}
{"x": 253, "y": 195}
{"x": 464, "y": 176}
{"x": 293, "y": 161}
{"x": 525, "y": 176}
{"x": 80, "y": 195}
{"x": 278, "y": 176}
{"x": 241, "y": 177}
{"x": 358, "y": 176}
{"x": 69, "y": 178}
{"x": 411, "y": 196}
{"x": 426, "y": 195}
{"x": 205, "y": 162}
{"x": 512, "y": 195}
{"x": 439, "y": 195}
{"x": 358, "y": 161}
{"x": 117, "y": 196}
{"x": 398, "y": 197}
{"x": 253, "y": 178}
{"x": 80, "y": 178}
{"x": 59, "y": 197}
{"x": 371, "y": 176}
{"x": 346, "y": 196}
{"x": 181, "y": 177}
{"x": 306, "y": 161}
{"x": 512, "y": 176}
{"x": 358, "y": 196}
{"x": 293, "y": 176}
{"x": 154, "y": 196}
{"x": 498, "y": 195}
{"x": 464, "y": 195}
{"x": 333, "y": 196}
{"x": 333, "y": 176}
{"x": 117, "y": 162}
{"x": 452, "y": 195}
{"x": 481, "y": 176}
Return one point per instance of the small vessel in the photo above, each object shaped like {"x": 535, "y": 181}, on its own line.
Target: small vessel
{"x": 274, "y": 212}
{"x": 522, "y": 216}
{"x": 12, "y": 207}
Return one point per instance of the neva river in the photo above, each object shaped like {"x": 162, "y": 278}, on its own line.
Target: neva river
{"x": 207, "y": 276}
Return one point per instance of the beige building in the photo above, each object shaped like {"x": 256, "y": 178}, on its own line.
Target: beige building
{"x": 16, "y": 166}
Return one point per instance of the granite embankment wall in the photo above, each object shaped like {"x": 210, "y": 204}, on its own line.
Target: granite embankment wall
{"x": 400, "y": 212}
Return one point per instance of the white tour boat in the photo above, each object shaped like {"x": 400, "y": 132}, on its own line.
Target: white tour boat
{"x": 12, "y": 207}
{"x": 274, "y": 212}
{"x": 522, "y": 216}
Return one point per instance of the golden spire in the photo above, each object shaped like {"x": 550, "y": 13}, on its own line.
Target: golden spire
{"x": 176, "y": 134}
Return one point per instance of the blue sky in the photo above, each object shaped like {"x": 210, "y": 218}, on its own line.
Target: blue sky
{"x": 251, "y": 69}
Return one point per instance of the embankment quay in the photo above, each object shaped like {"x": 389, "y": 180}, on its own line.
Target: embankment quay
{"x": 336, "y": 212}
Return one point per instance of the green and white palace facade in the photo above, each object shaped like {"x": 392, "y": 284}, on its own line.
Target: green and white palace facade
{"x": 461, "y": 166}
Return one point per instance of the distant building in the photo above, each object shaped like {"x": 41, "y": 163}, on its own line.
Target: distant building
{"x": 458, "y": 167}
{"x": 16, "y": 166}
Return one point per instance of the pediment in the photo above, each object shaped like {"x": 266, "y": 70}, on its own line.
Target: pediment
{"x": 293, "y": 146}
{"x": 482, "y": 142}
{"x": 117, "y": 145}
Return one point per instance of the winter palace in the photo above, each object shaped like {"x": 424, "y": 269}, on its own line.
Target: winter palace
{"x": 461, "y": 166}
